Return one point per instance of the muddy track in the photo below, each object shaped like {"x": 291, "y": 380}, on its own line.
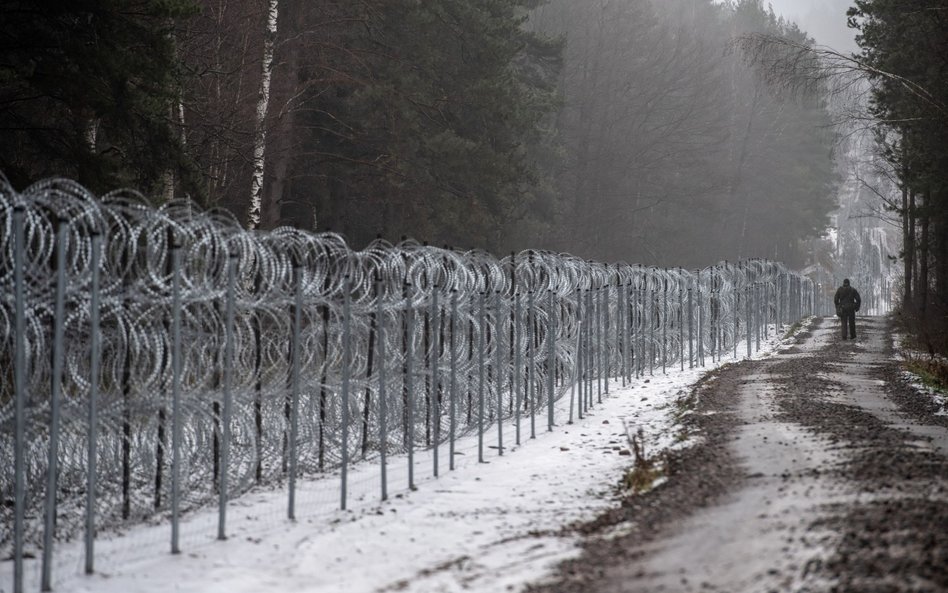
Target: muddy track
{"x": 820, "y": 470}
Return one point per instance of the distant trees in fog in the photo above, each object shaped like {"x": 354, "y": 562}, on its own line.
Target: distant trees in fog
{"x": 612, "y": 129}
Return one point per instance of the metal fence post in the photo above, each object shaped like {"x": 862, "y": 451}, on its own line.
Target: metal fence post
{"x": 700, "y": 319}
{"x": 606, "y": 324}
{"x": 653, "y": 313}
{"x": 691, "y": 327}
{"x": 20, "y": 396}
{"x": 598, "y": 344}
{"x": 452, "y": 426}
{"x": 498, "y": 373}
{"x": 622, "y": 308}
{"x": 175, "y": 395}
{"x": 94, "y": 361}
{"x": 747, "y": 318}
{"x": 480, "y": 378}
{"x": 409, "y": 386}
{"x": 664, "y": 320}
{"x": 435, "y": 377}
{"x": 778, "y": 311}
{"x": 713, "y": 310}
{"x": 589, "y": 354}
{"x": 383, "y": 404}
{"x": 49, "y": 526}
{"x": 766, "y": 310}
{"x": 638, "y": 357}
{"x": 295, "y": 390}
{"x": 580, "y": 369}
{"x": 737, "y": 299}
{"x": 346, "y": 371}
{"x": 681, "y": 321}
{"x": 757, "y": 314}
{"x": 517, "y": 370}
{"x": 229, "y": 314}
{"x": 531, "y": 352}
{"x": 551, "y": 365}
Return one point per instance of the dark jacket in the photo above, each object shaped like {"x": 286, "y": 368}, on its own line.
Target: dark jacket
{"x": 846, "y": 300}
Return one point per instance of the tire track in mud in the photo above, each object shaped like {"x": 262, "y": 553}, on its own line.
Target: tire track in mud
{"x": 891, "y": 535}
{"x": 820, "y": 470}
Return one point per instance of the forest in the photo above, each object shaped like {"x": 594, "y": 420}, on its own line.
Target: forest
{"x": 905, "y": 56}
{"x": 627, "y": 130}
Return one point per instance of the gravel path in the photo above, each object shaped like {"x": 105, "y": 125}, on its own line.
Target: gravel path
{"x": 819, "y": 470}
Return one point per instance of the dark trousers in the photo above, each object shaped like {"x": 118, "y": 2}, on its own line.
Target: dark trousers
{"x": 848, "y": 320}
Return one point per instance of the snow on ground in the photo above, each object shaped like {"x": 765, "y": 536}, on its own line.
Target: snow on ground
{"x": 906, "y": 353}
{"x": 489, "y": 527}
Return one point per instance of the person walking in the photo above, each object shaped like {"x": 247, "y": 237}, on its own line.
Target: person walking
{"x": 847, "y": 302}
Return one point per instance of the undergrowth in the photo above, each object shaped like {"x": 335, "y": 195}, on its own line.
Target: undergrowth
{"x": 645, "y": 470}
{"x": 933, "y": 372}
{"x": 793, "y": 329}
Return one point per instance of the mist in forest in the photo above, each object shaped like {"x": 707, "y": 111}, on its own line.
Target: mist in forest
{"x": 616, "y": 130}
{"x": 824, "y": 20}
{"x": 675, "y": 151}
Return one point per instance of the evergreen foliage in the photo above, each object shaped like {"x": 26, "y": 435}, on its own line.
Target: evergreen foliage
{"x": 86, "y": 91}
{"x": 905, "y": 52}
{"x": 618, "y": 131}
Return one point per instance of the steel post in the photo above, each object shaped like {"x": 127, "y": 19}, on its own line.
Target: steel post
{"x": 435, "y": 378}
{"x": 498, "y": 373}
{"x": 480, "y": 376}
{"x": 228, "y": 363}
{"x": 346, "y": 372}
{"x": 20, "y": 396}
{"x": 452, "y": 404}
{"x": 517, "y": 368}
{"x": 93, "y": 419}
{"x": 551, "y": 360}
{"x": 691, "y": 330}
{"x": 175, "y": 397}
{"x": 382, "y": 395}
{"x": 409, "y": 385}
{"x": 49, "y": 525}
{"x": 531, "y": 355}
{"x": 295, "y": 390}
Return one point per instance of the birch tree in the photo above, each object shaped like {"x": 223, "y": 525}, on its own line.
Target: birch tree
{"x": 260, "y": 122}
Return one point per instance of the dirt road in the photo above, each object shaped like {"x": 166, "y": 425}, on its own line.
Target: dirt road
{"x": 820, "y": 470}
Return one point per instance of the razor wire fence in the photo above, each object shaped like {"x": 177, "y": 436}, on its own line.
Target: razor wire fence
{"x": 160, "y": 359}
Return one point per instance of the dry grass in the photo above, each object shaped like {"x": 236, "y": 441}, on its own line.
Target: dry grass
{"x": 645, "y": 470}
{"x": 933, "y": 371}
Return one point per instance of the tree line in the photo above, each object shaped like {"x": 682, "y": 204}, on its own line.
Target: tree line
{"x": 905, "y": 55}
{"x": 614, "y": 130}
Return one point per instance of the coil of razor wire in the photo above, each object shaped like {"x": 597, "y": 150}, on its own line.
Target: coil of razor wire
{"x": 288, "y": 318}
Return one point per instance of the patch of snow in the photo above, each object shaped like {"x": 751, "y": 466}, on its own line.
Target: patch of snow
{"x": 900, "y": 342}
{"x": 493, "y": 526}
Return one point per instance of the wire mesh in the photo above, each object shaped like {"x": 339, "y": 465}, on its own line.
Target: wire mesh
{"x": 470, "y": 341}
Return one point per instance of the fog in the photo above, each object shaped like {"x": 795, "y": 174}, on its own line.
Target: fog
{"x": 627, "y": 130}
{"x": 824, "y": 20}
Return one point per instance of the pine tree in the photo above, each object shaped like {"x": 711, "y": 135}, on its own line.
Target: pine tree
{"x": 87, "y": 89}
{"x": 425, "y": 120}
{"x": 904, "y": 45}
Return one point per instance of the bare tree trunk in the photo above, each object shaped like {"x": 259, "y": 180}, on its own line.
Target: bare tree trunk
{"x": 282, "y": 143}
{"x": 912, "y": 246}
{"x": 908, "y": 246}
{"x": 941, "y": 261}
{"x": 260, "y": 120}
{"x": 167, "y": 183}
{"x": 738, "y": 173}
{"x": 92, "y": 134}
{"x": 921, "y": 289}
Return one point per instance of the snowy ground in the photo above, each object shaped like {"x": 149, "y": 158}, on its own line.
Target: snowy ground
{"x": 906, "y": 353}
{"x": 488, "y": 527}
